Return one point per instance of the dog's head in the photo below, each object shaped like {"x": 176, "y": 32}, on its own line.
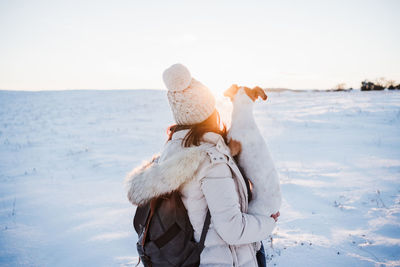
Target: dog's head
{"x": 253, "y": 94}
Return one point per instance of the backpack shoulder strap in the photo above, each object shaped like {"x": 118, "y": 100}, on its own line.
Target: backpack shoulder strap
{"x": 205, "y": 230}
{"x": 153, "y": 205}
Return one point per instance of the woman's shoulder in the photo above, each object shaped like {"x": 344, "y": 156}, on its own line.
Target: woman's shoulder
{"x": 215, "y": 154}
{"x": 217, "y": 161}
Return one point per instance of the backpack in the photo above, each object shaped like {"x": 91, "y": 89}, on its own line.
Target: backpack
{"x": 165, "y": 234}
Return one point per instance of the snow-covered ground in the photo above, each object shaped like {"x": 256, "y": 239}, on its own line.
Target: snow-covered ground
{"x": 63, "y": 157}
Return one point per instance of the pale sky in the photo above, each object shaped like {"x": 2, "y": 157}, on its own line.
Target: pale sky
{"x": 126, "y": 44}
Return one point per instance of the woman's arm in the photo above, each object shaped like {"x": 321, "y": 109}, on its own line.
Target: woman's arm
{"x": 222, "y": 198}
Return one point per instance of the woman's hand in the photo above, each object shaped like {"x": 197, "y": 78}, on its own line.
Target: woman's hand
{"x": 275, "y": 216}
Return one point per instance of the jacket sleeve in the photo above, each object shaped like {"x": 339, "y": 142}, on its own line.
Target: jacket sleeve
{"x": 222, "y": 198}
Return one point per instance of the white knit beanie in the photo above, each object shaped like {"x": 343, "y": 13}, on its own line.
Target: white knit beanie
{"x": 191, "y": 102}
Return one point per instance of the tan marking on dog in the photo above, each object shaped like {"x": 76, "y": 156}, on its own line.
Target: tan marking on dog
{"x": 231, "y": 91}
{"x": 260, "y": 93}
{"x": 255, "y": 93}
{"x": 235, "y": 147}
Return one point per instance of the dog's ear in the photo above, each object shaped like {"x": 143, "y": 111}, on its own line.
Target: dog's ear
{"x": 255, "y": 93}
{"x": 231, "y": 91}
{"x": 259, "y": 92}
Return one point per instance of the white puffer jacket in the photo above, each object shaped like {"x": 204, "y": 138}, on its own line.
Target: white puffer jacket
{"x": 206, "y": 176}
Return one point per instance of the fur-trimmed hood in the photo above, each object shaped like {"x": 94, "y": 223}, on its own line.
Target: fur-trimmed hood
{"x": 155, "y": 178}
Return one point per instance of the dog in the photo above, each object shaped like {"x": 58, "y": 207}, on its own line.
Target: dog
{"x": 250, "y": 149}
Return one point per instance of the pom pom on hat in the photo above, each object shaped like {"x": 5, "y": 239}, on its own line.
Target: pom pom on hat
{"x": 177, "y": 77}
{"x": 191, "y": 102}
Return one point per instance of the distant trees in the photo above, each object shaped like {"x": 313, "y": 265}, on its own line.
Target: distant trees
{"x": 391, "y": 85}
{"x": 379, "y": 84}
{"x": 369, "y": 86}
{"x": 340, "y": 87}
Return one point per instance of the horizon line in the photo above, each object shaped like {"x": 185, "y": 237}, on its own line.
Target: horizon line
{"x": 151, "y": 89}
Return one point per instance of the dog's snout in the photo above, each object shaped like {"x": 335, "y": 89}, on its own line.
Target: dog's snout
{"x": 259, "y": 92}
{"x": 264, "y": 96}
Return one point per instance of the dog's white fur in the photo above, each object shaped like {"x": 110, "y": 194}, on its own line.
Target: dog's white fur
{"x": 254, "y": 158}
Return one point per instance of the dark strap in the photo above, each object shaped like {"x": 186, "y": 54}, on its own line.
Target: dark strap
{"x": 205, "y": 229}
{"x": 153, "y": 205}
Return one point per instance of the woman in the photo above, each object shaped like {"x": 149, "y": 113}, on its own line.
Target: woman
{"x": 197, "y": 162}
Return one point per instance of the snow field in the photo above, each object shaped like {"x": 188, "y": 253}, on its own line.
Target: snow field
{"x": 63, "y": 156}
